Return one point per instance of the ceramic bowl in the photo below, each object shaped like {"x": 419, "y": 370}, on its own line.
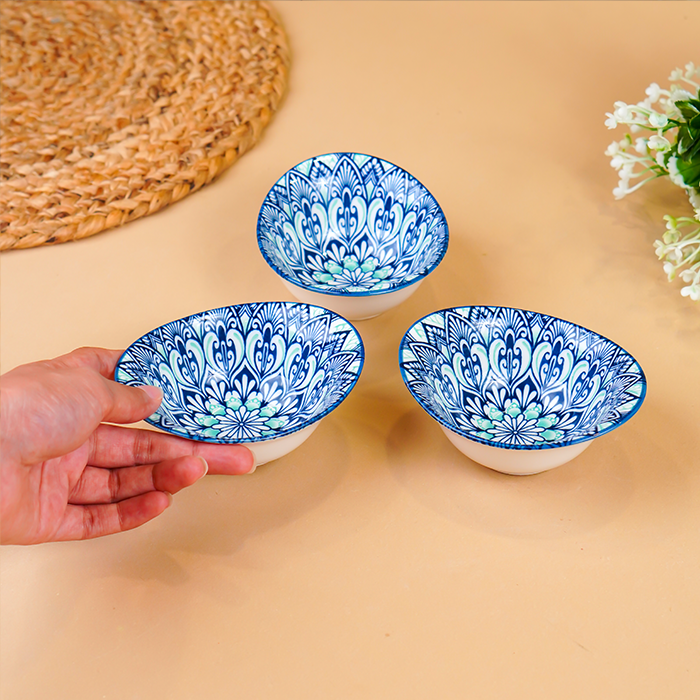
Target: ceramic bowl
{"x": 351, "y": 232}
{"x": 260, "y": 374}
{"x": 518, "y": 391}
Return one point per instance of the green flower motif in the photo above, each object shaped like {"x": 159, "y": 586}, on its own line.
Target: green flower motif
{"x": 381, "y": 273}
{"x": 516, "y": 423}
{"x": 483, "y": 423}
{"x": 513, "y": 409}
{"x": 215, "y": 408}
{"x": 353, "y": 272}
{"x": 234, "y": 402}
{"x": 532, "y": 412}
{"x": 369, "y": 265}
{"x": 270, "y": 410}
{"x": 494, "y": 413}
{"x": 253, "y": 404}
{"x": 276, "y": 423}
{"x": 351, "y": 263}
{"x": 233, "y": 412}
{"x": 206, "y": 421}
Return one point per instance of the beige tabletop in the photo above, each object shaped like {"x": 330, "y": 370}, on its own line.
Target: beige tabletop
{"x": 376, "y": 561}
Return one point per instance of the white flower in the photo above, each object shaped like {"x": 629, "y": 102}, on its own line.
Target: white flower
{"x": 653, "y": 92}
{"x": 627, "y": 170}
{"x": 693, "y": 292}
{"x": 622, "y": 112}
{"x": 640, "y": 160}
{"x": 611, "y": 121}
{"x": 659, "y": 143}
{"x": 678, "y": 94}
{"x": 675, "y": 255}
{"x": 658, "y": 121}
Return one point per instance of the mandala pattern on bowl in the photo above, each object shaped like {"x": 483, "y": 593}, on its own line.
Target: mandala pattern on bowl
{"x": 246, "y": 373}
{"x": 351, "y": 224}
{"x": 519, "y": 379}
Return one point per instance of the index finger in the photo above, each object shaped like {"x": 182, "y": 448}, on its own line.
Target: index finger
{"x": 101, "y": 360}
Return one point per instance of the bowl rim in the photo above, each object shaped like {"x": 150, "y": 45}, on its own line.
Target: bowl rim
{"x": 507, "y": 446}
{"x": 282, "y": 433}
{"x": 340, "y": 293}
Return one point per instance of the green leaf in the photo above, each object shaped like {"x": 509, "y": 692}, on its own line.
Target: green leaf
{"x": 689, "y": 171}
{"x": 686, "y": 139}
{"x": 693, "y": 151}
{"x": 687, "y": 109}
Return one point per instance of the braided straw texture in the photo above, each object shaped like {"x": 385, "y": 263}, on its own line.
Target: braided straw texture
{"x": 112, "y": 110}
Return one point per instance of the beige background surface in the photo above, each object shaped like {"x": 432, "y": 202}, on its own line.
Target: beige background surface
{"x": 376, "y": 561}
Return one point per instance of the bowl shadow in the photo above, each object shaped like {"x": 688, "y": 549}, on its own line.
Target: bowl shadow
{"x": 575, "y": 498}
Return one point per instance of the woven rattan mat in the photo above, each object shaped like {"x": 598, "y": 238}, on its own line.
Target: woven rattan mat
{"x": 112, "y": 110}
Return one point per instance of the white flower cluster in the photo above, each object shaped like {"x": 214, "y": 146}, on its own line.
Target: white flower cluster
{"x": 682, "y": 250}
{"x": 644, "y": 157}
{"x": 650, "y": 155}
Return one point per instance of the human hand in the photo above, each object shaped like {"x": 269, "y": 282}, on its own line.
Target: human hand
{"x": 67, "y": 475}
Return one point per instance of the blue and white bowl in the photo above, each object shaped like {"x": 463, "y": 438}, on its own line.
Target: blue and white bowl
{"x": 351, "y": 232}
{"x": 260, "y": 374}
{"x": 518, "y": 391}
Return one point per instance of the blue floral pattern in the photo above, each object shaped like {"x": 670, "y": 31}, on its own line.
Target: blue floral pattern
{"x": 246, "y": 373}
{"x": 518, "y": 379}
{"x": 351, "y": 224}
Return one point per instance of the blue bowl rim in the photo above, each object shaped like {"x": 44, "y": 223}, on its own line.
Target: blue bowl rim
{"x": 340, "y": 293}
{"x": 506, "y": 446}
{"x": 282, "y": 433}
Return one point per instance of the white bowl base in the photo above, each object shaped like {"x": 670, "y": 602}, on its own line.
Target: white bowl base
{"x": 267, "y": 450}
{"x": 515, "y": 462}
{"x": 354, "y": 308}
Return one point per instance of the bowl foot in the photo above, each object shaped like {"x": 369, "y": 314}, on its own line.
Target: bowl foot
{"x": 515, "y": 462}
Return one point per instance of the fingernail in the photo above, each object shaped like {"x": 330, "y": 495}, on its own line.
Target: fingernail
{"x": 206, "y": 466}
{"x": 153, "y": 392}
{"x": 254, "y": 464}
{"x": 170, "y": 498}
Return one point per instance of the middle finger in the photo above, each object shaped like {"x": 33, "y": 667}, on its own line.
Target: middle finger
{"x": 98, "y": 485}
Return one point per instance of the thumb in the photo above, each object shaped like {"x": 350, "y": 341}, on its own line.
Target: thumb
{"x": 130, "y": 404}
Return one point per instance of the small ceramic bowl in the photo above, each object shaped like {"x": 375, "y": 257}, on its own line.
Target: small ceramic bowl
{"x": 260, "y": 374}
{"x": 351, "y": 232}
{"x": 518, "y": 391}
